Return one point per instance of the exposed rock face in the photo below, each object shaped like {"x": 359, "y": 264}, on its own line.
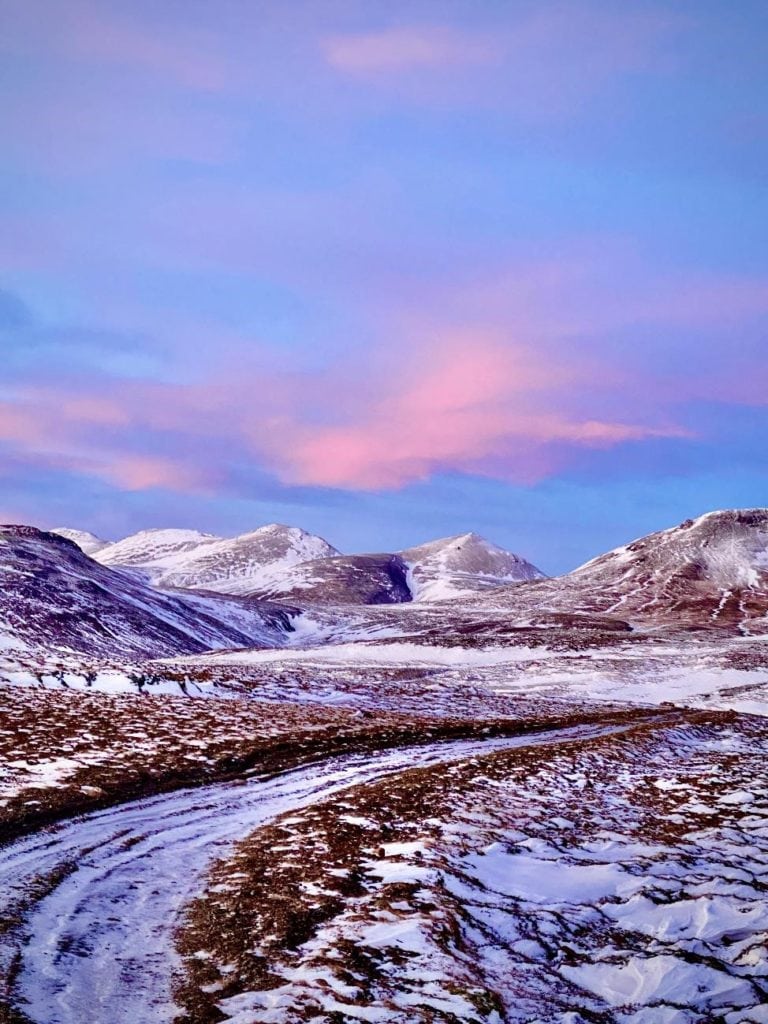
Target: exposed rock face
{"x": 346, "y": 579}
{"x": 236, "y": 565}
{"x": 463, "y": 565}
{"x": 54, "y": 597}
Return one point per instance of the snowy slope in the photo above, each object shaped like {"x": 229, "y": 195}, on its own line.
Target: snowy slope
{"x": 236, "y": 565}
{"x": 53, "y": 597}
{"x": 154, "y": 551}
{"x": 459, "y": 566}
{"x": 344, "y": 579}
{"x": 707, "y": 573}
{"x": 287, "y": 563}
{"x": 87, "y": 542}
{"x": 442, "y": 569}
{"x": 710, "y": 570}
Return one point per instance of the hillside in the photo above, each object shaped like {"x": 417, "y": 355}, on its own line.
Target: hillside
{"x": 237, "y": 565}
{"x": 707, "y": 573}
{"x": 344, "y": 579}
{"x": 463, "y": 565}
{"x": 55, "y": 598}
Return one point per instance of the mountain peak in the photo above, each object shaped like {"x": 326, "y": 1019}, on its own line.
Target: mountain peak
{"x": 187, "y": 559}
{"x": 87, "y": 542}
{"x": 467, "y": 538}
{"x": 461, "y": 565}
{"x": 707, "y": 572}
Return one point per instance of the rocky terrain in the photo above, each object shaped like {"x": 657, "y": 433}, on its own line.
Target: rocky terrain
{"x": 343, "y": 580}
{"x": 616, "y": 877}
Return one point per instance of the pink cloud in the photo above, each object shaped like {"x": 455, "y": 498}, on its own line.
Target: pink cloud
{"x": 67, "y": 432}
{"x": 506, "y": 372}
{"x": 540, "y": 63}
{"x": 504, "y": 376}
{"x": 476, "y": 404}
{"x": 19, "y": 424}
{"x": 472, "y": 401}
{"x": 94, "y": 410}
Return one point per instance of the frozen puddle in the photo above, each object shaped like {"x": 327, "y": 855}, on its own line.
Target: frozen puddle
{"x": 107, "y": 889}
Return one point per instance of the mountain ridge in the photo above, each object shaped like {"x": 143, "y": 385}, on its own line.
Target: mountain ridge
{"x": 708, "y": 572}
{"x": 187, "y": 559}
{"x": 284, "y": 562}
{"x": 56, "y": 598}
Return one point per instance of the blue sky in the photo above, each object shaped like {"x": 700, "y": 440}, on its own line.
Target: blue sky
{"x": 387, "y": 271}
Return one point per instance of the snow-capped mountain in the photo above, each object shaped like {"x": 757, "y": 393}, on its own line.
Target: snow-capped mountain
{"x": 287, "y": 563}
{"x": 154, "y": 550}
{"x": 87, "y": 542}
{"x": 55, "y": 598}
{"x": 442, "y": 569}
{"x": 236, "y": 565}
{"x": 710, "y": 572}
{"x": 343, "y": 579}
{"x": 463, "y": 565}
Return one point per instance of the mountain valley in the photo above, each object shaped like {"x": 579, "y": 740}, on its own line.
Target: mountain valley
{"x": 442, "y": 712}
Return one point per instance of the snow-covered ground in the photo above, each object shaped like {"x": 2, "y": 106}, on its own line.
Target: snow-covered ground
{"x": 612, "y": 871}
{"x": 619, "y": 879}
{"x": 97, "y": 899}
{"x": 729, "y": 674}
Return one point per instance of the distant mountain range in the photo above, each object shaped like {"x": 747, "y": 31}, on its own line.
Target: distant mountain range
{"x": 166, "y": 592}
{"x": 238, "y": 565}
{"x": 286, "y": 563}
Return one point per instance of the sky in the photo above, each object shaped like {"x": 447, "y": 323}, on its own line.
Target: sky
{"x": 385, "y": 270}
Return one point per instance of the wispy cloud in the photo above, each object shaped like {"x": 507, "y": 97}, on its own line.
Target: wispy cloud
{"x": 399, "y": 48}
{"x": 508, "y": 375}
{"x": 468, "y": 401}
{"x": 478, "y": 406}
{"x": 540, "y": 62}
{"x": 84, "y": 30}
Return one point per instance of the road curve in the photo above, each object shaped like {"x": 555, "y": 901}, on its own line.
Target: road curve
{"x": 97, "y": 944}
